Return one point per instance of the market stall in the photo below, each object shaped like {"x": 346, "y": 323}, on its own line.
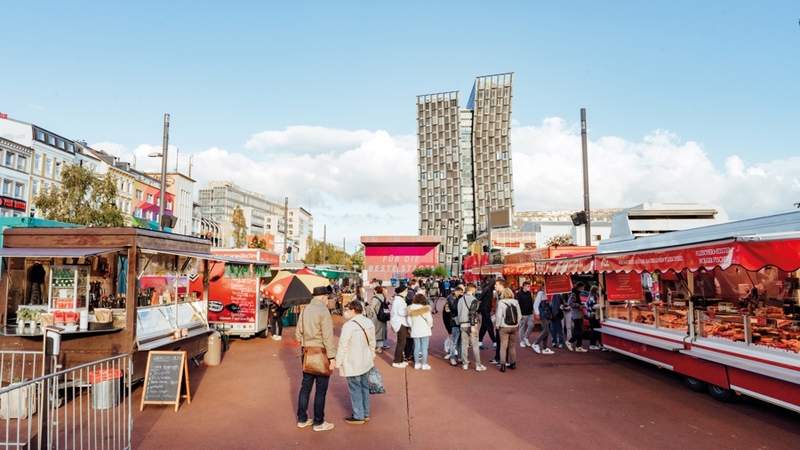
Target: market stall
{"x": 718, "y": 304}
{"x": 109, "y": 290}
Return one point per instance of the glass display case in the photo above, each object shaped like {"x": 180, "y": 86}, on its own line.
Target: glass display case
{"x": 69, "y": 287}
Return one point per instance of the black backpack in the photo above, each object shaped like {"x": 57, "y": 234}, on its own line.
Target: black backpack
{"x": 473, "y": 311}
{"x": 545, "y": 311}
{"x": 511, "y": 317}
{"x": 384, "y": 312}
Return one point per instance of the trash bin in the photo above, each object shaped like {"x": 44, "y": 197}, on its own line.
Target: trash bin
{"x": 214, "y": 354}
{"x": 105, "y": 387}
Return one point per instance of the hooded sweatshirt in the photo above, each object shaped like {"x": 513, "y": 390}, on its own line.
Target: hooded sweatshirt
{"x": 421, "y": 320}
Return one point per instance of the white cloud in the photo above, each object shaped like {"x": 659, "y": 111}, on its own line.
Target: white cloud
{"x": 365, "y": 182}
{"x": 308, "y": 139}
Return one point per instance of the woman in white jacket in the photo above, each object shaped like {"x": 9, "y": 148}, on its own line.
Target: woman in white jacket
{"x": 355, "y": 358}
{"x": 421, "y": 320}
{"x": 506, "y": 320}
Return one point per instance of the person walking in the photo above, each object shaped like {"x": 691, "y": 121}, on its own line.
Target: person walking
{"x": 545, "y": 317}
{"x": 372, "y": 312}
{"x": 507, "y": 319}
{"x": 454, "y": 327}
{"x": 556, "y": 324}
{"x": 525, "y": 300}
{"x": 421, "y": 322}
{"x": 593, "y": 311}
{"x": 315, "y": 330}
{"x": 575, "y": 342}
{"x": 413, "y": 287}
{"x": 499, "y": 288}
{"x": 399, "y": 322}
{"x": 276, "y": 321}
{"x": 469, "y": 321}
{"x": 486, "y": 299}
{"x": 355, "y": 358}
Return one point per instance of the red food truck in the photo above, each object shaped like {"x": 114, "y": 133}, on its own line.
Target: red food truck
{"x": 235, "y": 303}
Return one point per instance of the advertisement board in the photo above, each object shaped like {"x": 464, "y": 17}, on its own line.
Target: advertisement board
{"x": 557, "y": 284}
{"x": 387, "y": 262}
{"x": 230, "y": 300}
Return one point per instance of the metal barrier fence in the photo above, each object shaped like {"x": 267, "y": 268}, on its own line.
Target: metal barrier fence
{"x": 84, "y": 407}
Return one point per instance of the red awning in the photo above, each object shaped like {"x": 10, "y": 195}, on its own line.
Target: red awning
{"x": 561, "y": 266}
{"x": 750, "y": 254}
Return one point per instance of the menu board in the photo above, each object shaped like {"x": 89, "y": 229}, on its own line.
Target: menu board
{"x": 163, "y": 379}
{"x": 624, "y": 286}
{"x": 557, "y": 284}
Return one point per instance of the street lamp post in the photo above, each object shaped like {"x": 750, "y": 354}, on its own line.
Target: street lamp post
{"x": 163, "y": 156}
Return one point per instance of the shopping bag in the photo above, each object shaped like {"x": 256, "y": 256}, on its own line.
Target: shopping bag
{"x": 375, "y": 381}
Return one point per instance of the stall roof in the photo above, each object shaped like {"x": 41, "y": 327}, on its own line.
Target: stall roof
{"x": 24, "y": 252}
{"x": 208, "y": 256}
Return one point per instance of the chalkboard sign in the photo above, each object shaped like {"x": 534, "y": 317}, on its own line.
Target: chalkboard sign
{"x": 164, "y": 377}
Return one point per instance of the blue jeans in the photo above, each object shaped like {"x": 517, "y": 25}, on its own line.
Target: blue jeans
{"x": 557, "y": 332}
{"x": 421, "y": 350}
{"x": 319, "y": 398}
{"x": 359, "y": 395}
{"x": 455, "y": 341}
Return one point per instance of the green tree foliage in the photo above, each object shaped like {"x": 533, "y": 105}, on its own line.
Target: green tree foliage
{"x": 84, "y": 198}
{"x": 239, "y": 228}
{"x": 358, "y": 258}
{"x": 256, "y": 242}
{"x": 321, "y": 253}
{"x": 425, "y": 272}
{"x": 563, "y": 240}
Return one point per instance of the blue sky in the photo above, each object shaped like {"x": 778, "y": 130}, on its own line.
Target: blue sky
{"x": 723, "y": 73}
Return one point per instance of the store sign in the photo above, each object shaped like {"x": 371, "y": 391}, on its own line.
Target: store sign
{"x": 557, "y": 284}
{"x": 387, "y": 262}
{"x": 624, "y": 286}
{"x": 237, "y": 298}
{"x": 12, "y": 203}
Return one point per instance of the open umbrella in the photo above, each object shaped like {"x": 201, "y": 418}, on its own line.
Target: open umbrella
{"x": 306, "y": 271}
{"x": 290, "y": 289}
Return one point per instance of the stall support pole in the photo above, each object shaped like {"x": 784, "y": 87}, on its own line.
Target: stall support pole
{"x": 691, "y": 315}
{"x": 603, "y": 300}
{"x": 585, "y": 153}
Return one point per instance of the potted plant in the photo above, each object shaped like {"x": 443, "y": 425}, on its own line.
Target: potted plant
{"x": 23, "y": 316}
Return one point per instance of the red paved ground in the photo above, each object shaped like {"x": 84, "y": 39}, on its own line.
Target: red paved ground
{"x": 594, "y": 400}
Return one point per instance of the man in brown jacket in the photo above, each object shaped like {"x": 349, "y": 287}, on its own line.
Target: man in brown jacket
{"x": 315, "y": 329}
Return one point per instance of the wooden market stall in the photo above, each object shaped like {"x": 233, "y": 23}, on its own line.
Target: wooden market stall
{"x": 109, "y": 290}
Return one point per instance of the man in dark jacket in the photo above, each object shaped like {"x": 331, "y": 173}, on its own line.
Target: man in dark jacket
{"x": 486, "y": 298}
{"x": 525, "y": 300}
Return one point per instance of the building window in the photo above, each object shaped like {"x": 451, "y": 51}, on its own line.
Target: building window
{"x": 22, "y": 163}
{"x": 40, "y": 136}
{"x": 7, "y": 184}
{"x": 61, "y": 144}
{"x": 139, "y": 194}
{"x": 37, "y": 163}
{"x": 169, "y": 205}
{"x": 150, "y": 198}
{"x": 51, "y": 140}
{"x": 48, "y": 167}
{"x": 71, "y": 147}
{"x": 9, "y": 159}
{"x": 19, "y": 190}
{"x": 35, "y": 187}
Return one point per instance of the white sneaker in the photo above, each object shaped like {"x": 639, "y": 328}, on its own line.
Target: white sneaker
{"x": 570, "y": 347}
{"x": 494, "y": 344}
{"x": 547, "y": 351}
{"x": 527, "y": 342}
{"x": 580, "y": 350}
{"x": 278, "y": 338}
{"x": 418, "y": 366}
{"x": 465, "y": 366}
{"x": 594, "y": 347}
{"x": 426, "y": 367}
{"x": 325, "y": 426}
{"x": 305, "y": 424}
{"x": 480, "y": 368}
{"x": 401, "y": 365}
{"x": 536, "y": 348}
{"x": 522, "y": 344}
{"x": 480, "y": 346}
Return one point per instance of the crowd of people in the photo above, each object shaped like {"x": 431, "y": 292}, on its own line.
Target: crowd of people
{"x": 469, "y": 313}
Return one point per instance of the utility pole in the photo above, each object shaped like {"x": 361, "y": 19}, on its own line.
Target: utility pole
{"x": 344, "y": 244}
{"x": 324, "y": 243}
{"x": 286, "y": 228}
{"x": 585, "y": 150}
{"x": 161, "y": 196}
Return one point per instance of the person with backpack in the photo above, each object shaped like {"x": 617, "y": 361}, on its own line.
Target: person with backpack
{"x": 507, "y": 319}
{"x": 545, "y": 317}
{"x": 377, "y": 310}
{"x": 469, "y": 321}
{"x": 421, "y": 323}
{"x": 452, "y": 325}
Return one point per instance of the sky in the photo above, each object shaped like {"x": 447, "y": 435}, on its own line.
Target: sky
{"x": 687, "y": 101}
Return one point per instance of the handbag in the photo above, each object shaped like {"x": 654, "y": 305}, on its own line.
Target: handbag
{"x": 315, "y": 359}
{"x": 374, "y": 377}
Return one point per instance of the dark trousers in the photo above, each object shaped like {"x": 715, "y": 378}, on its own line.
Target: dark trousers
{"x": 577, "y": 332}
{"x": 276, "y": 323}
{"x": 319, "y": 398}
{"x": 594, "y": 335}
{"x": 409, "y": 348}
{"x": 487, "y": 326}
{"x": 400, "y": 346}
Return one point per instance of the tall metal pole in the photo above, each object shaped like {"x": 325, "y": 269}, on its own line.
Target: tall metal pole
{"x": 324, "y": 243}
{"x": 585, "y": 150}
{"x": 286, "y": 227}
{"x": 161, "y": 196}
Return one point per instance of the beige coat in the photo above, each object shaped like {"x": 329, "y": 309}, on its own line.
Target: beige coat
{"x": 315, "y": 326}
{"x": 356, "y": 353}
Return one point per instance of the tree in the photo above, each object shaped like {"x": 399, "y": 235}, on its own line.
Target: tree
{"x": 440, "y": 271}
{"x": 239, "y": 228}
{"x": 422, "y": 272}
{"x": 358, "y": 258}
{"x": 562, "y": 240}
{"x": 326, "y": 253}
{"x": 84, "y": 198}
{"x": 256, "y": 242}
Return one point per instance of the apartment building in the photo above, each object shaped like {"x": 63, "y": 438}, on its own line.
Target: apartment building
{"x": 464, "y": 163}
{"x": 301, "y": 230}
{"x": 15, "y": 163}
{"x": 181, "y": 188}
{"x": 219, "y": 199}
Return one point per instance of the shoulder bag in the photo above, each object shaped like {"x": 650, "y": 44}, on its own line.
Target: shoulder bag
{"x": 315, "y": 359}
{"x": 374, "y": 377}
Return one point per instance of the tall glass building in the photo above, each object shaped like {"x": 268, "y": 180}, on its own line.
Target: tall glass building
{"x": 464, "y": 163}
